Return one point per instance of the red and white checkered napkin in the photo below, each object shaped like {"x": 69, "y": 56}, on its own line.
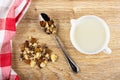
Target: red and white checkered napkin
{"x": 11, "y": 12}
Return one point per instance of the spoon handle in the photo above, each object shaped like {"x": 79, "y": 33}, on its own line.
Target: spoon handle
{"x": 73, "y": 66}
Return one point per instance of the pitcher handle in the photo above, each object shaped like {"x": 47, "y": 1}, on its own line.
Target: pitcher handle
{"x": 107, "y": 50}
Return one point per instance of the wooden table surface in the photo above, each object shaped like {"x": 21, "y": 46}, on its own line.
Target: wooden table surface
{"x": 92, "y": 67}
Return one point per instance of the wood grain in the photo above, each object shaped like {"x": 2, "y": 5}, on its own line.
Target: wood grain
{"x": 92, "y": 67}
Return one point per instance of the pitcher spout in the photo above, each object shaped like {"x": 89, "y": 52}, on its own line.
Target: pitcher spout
{"x": 73, "y": 22}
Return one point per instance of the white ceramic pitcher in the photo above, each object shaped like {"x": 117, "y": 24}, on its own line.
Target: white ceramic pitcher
{"x": 104, "y": 48}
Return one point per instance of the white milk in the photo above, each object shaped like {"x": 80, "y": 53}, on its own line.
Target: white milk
{"x": 90, "y": 35}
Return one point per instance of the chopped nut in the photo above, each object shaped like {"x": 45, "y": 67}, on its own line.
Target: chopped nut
{"x": 52, "y": 26}
{"x": 53, "y": 57}
{"x": 54, "y": 31}
{"x": 50, "y": 22}
{"x": 27, "y": 61}
{"x": 38, "y": 55}
{"x": 48, "y": 31}
{"x": 51, "y": 29}
{"x": 46, "y": 61}
{"x": 22, "y": 48}
{"x": 37, "y": 50}
{"x": 31, "y": 48}
{"x": 32, "y": 63}
{"x": 47, "y": 56}
{"x": 26, "y": 49}
{"x": 35, "y": 44}
{"x": 31, "y": 58}
{"x": 33, "y": 40}
{"x": 44, "y": 51}
{"x": 24, "y": 52}
{"x": 26, "y": 44}
{"x": 42, "y": 23}
{"x": 42, "y": 64}
{"x": 30, "y": 44}
{"x": 21, "y": 56}
{"x": 46, "y": 26}
{"x": 48, "y": 51}
{"x": 26, "y": 56}
{"x": 31, "y": 52}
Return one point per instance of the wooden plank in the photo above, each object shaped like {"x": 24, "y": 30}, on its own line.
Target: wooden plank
{"x": 93, "y": 67}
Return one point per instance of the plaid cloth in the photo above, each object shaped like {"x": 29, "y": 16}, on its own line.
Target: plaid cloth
{"x": 11, "y": 12}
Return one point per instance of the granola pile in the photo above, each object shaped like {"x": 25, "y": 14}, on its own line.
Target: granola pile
{"x": 48, "y": 26}
{"x": 34, "y": 54}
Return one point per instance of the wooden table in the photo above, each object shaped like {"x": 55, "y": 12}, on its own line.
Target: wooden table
{"x": 92, "y": 67}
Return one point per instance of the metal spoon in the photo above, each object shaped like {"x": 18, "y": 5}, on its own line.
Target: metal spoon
{"x": 73, "y": 66}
